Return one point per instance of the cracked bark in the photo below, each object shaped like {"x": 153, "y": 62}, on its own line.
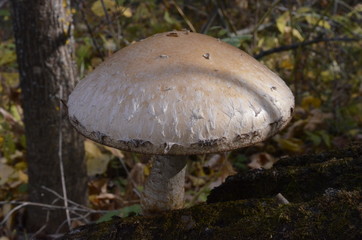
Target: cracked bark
{"x": 44, "y": 52}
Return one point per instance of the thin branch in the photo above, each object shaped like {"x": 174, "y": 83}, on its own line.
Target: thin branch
{"x": 109, "y": 22}
{"x": 211, "y": 18}
{"x": 60, "y": 155}
{"x": 224, "y": 17}
{"x": 251, "y": 29}
{"x": 303, "y": 44}
{"x": 3, "y": 2}
{"x": 61, "y": 197}
{"x": 132, "y": 181}
{"x": 188, "y": 22}
{"x": 270, "y": 9}
{"x": 12, "y": 211}
{"x": 22, "y": 204}
{"x": 89, "y": 29}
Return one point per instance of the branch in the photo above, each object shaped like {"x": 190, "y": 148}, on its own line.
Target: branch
{"x": 89, "y": 29}
{"x": 60, "y": 155}
{"x": 303, "y": 44}
{"x": 72, "y": 209}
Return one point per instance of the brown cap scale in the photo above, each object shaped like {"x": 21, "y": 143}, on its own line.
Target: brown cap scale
{"x": 180, "y": 93}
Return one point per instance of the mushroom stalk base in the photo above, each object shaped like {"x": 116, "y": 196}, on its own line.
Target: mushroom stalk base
{"x": 164, "y": 189}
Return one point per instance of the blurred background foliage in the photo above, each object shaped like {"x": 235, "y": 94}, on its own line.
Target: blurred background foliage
{"x": 315, "y": 46}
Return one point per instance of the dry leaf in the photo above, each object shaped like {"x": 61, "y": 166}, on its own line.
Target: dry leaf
{"x": 97, "y": 161}
{"x": 261, "y": 160}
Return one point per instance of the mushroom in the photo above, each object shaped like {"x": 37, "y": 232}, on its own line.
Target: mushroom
{"x": 176, "y": 94}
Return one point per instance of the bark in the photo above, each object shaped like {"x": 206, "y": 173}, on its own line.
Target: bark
{"x": 298, "y": 179}
{"x": 44, "y": 52}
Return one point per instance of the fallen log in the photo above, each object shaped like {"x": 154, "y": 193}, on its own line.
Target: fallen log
{"x": 321, "y": 198}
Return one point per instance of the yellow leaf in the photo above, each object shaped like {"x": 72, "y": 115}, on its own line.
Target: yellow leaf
{"x": 327, "y": 75}
{"x": 261, "y": 42}
{"x": 116, "y": 152}
{"x": 315, "y": 19}
{"x": 311, "y": 75}
{"x": 96, "y": 61}
{"x": 7, "y": 55}
{"x": 291, "y": 144}
{"x": 287, "y": 64}
{"x": 6, "y": 172}
{"x": 297, "y": 34}
{"x": 110, "y": 45}
{"x": 304, "y": 10}
{"x": 282, "y": 21}
{"x": 97, "y": 161}
{"x": 22, "y": 176}
{"x": 147, "y": 170}
{"x": 98, "y": 10}
{"x": 10, "y": 78}
{"x": 127, "y": 12}
{"x": 21, "y": 166}
{"x": 111, "y": 7}
{"x": 309, "y": 102}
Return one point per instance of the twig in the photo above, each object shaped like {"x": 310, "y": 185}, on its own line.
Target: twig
{"x": 12, "y": 211}
{"x": 270, "y": 9}
{"x": 61, "y": 197}
{"x": 2, "y": 2}
{"x": 303, "y": 44}
{"x": 268, "y": 12}
{"x": 60, "y": 155}
{"x": 210, "y": 20}
{"x": 22, "y": 204}
{"x": 251, "y": 29}
{"x": 224, "y": 17}
{"x": 109, "y": 22}
{"x": 281, "y": 199}
{"x": 133, "y": 182}
{"x": 184, "y": 16}
{"x": 90, "y": 31}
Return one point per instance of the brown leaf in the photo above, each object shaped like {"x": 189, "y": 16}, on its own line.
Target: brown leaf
{"x": 261, "y": 160}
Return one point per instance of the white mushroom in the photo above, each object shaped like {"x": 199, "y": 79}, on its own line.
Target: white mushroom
{"x": 179, "y": 93}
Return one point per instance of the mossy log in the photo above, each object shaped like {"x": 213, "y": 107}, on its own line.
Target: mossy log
{"x": 325, "y": 197}
{"x": 299, "y": 178}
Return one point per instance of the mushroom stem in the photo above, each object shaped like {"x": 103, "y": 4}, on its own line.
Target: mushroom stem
{"x": 164, "y": 189}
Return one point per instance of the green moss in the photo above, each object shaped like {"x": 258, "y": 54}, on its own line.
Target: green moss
{"x": 329, "y": 216}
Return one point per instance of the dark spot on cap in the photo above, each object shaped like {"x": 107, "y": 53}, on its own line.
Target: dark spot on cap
{"x": 138, "y": 143}
{"x": 172, "y": 34}
{"x": 209, "y": 142}
{"x": 206, "y": 56}
{"x": 241, "y": 137}
{"x": 291, "y": 111}
{"x": 273, "y": 88}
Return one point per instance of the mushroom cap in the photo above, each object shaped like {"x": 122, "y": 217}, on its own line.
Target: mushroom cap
{"x": 180, "y": 93}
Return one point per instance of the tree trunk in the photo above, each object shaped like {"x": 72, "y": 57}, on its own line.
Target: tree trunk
{"x": 44, "y": 51}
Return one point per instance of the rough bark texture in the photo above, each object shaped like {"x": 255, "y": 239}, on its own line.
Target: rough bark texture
{"x": 318, "y": 209}
{"x": 165, "y": 187}
{"x": 42, "y": 33}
